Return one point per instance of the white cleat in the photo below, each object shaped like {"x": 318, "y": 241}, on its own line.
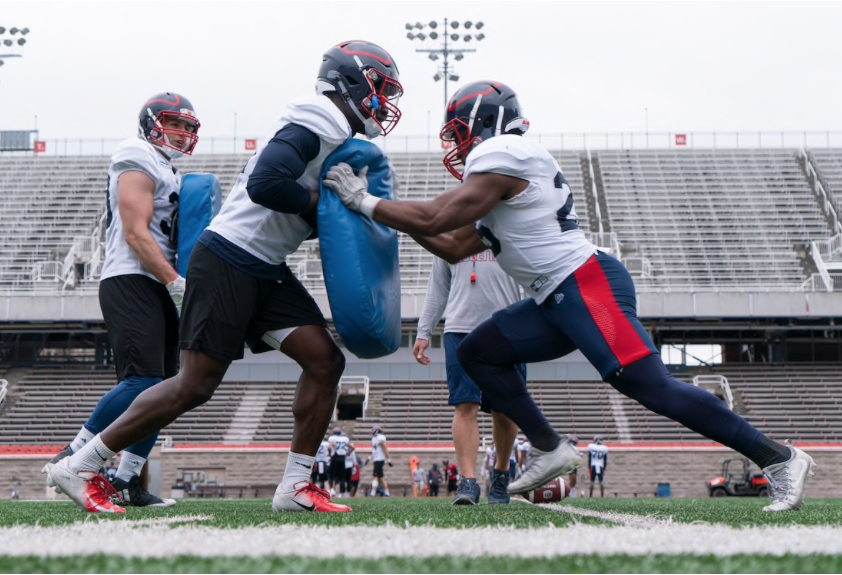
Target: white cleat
{"x": 787, "y": 481}
{"x": 90, "y": 491}
{"x": 305, "y": 496}
{"x": 543, "y": 467}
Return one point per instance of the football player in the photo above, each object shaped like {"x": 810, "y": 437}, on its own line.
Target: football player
{"x": 339, "y": 446}
{"x": 140, "y": 291}
{"x": 467, "y": 293}
{"x": 597, "y": 463}
{"x": 322, "y": 462}
{"x": 241, "y": 289}
{"x": 514, "y": 199}
{"x": 380, "y": 455}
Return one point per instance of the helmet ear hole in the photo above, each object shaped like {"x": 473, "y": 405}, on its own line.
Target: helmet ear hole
{"x": 351, "y": 81}
{"x": 488, "y": 122}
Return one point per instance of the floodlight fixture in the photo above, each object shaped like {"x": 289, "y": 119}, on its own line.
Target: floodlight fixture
{"x": 419, "y": 25}
{"x": 480, "y": 25}
{"x": 454, "y": 25}
{"x": 7, "y": 42}
{"x": 421, "y": 36}
{"x": 433, "y": 24}
{"x": 25, "y": 31}
{"x": 2, "y": 30}
{"x": 468, "y": 24}
{"x": 434, "y": 35}
{"x": 454, "y": 78}
{"x": 437, "y": 77}
{"x": 434, "y": 57}
{"x": 21, "y": 41}
{"x": 459, "y": 57}
{"x": 467, "y": 38}
{"x": 410, "y": 35}
{"x": 408, "y": 26}
{"x": 13, "y": 31}
{"x": 454, "y": 37}
{"x": 480, "y": 37}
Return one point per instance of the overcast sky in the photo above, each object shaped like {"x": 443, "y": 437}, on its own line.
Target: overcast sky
{"x": 594, "y": 67}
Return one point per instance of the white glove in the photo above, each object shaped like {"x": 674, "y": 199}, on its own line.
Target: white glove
{"x": 351, "y": 189}
{"x": 176, "y": 289}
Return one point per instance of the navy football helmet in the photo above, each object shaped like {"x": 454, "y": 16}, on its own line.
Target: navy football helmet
{"x": 154, "y": 114}
{"x": 476, "y": 112}
{"x": 367, "y": 78}
{"x": 376, "y": 431}
{"x": 337, "y": 431}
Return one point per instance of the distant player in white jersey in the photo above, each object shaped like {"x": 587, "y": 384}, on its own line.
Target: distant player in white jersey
{"x": 598, "y": 463}
{"x": 340, "y": 448}
{"x": 523, "y": 449}
{"x": 380, "y": 455}
{"x": 241, "y": 291}
{"x": 322, "y": 461}
{"x": 140, "y": 292}
{"x": 514, "y": 199}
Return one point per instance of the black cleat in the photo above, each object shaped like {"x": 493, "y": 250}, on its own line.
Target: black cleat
{"x": 133, "y": 494}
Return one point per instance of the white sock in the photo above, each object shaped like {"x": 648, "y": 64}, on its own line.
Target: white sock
{"x": 374, "y": 484}
{"x": 91, "y": 457}
{"x": 130, "y": 466}
{"x": 299, "y": 468}
{"x": 83, "y": 437}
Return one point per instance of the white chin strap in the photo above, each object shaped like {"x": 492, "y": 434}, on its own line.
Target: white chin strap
{"x": 372, "y": 129}
{"x": 171, "y": 153}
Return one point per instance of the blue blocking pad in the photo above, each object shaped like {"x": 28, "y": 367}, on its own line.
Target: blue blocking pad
{"x": 360, "y": 259}
{"x": 199, "y": 201}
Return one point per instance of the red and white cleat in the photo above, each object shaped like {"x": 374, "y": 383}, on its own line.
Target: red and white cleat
{"x": 305, "y": 496}
{"x": 90, "y": 491}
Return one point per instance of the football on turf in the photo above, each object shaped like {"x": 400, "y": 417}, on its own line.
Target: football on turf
{"x": 552, "y": 492}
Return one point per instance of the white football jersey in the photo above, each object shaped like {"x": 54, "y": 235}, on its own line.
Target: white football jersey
{"x": 535, "y": 235}
{"x": 266, "y": 234}
{"x": 525, "y": 447}
{"x": 377, "y": 453}
{"x": 136, "y": 155}
{"x": 598, "y": 455}
{"x": 339, "y": 445}
{"x": 323, "y": 453}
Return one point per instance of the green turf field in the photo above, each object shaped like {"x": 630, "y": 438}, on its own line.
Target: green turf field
{"x": 636, "y": 536}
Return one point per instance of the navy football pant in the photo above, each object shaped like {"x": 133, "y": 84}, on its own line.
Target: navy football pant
{"x": 594, "y": 310}
{"x": 114, "y": 403}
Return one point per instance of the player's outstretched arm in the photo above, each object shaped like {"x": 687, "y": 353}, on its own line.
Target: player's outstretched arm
{"x": 453, "y": 246}
{"x": 457, "y": 208}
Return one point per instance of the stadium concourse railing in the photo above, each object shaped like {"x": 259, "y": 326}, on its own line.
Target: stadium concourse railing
{"x": 556, "y": 141}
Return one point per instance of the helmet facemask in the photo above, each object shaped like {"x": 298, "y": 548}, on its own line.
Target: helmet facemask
{"x": 458, "y": 132}
{"x": 165, "y": 137}
{"x": 382, "y": 105}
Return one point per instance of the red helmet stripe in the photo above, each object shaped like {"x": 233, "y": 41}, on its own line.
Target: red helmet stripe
{"x": 176, "y": 103}
{"x": 344, "y": 48}
{"x": 455, "y": 105}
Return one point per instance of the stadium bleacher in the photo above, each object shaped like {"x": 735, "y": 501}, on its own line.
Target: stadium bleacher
{"x": 711, "y": 218}
{"x": 801, "y": 403}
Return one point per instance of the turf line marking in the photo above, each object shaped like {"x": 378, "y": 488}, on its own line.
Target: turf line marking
{"x": 127, "y": 539}
{"x": 175, "y": 520}
{"x": 640, "y": 521}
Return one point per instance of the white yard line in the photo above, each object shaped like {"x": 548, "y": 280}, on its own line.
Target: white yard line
{"x": 611, "y": 517}
{"x": 128, "y": 539}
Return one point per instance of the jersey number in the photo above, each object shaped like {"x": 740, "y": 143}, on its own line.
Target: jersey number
{"x": 565, "y": 210}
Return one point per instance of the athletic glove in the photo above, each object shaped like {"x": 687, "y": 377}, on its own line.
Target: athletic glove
{"x": 176, "y": 289}
{"x": 351, "y": 189}
{"x": 389, "y": 461}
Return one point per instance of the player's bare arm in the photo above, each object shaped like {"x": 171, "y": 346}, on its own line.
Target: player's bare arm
{"x": 453, "y": 246}
{"x": 136, "y": 205}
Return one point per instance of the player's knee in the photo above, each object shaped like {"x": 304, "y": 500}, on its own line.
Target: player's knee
{"x": 467, "y": 410}
{"x": 327, "y": 369}
{"x": 192, "y": 392}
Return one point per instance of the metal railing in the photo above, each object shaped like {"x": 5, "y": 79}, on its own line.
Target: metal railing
{"x": 554, "y": 141}
{"x": 4, "y": 390}
{"x": 825, "y": 200}
{"x": 713, "y": 383}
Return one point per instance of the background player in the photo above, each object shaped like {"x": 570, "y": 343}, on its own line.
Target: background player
{"x": 597, "y": 463}
{"x": 140, "y": 292}
{"x": 380, "y": 455}
{"x": 572, "y": 478}
{"x": 321, "y": 465}
{"x": 467, "y": 293}
{"x": 241, "y": 289}
{"x": 514, "y": 199}
{"x": 340, "y": 448}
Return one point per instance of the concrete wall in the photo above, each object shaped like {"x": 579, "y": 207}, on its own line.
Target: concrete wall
{"x": 629, "y": 472}
{"x": 85, "y": 306}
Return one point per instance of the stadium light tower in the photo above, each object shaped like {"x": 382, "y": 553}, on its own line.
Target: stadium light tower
{"x": 443, "y": 41}
{"x": 11, "y": 39}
